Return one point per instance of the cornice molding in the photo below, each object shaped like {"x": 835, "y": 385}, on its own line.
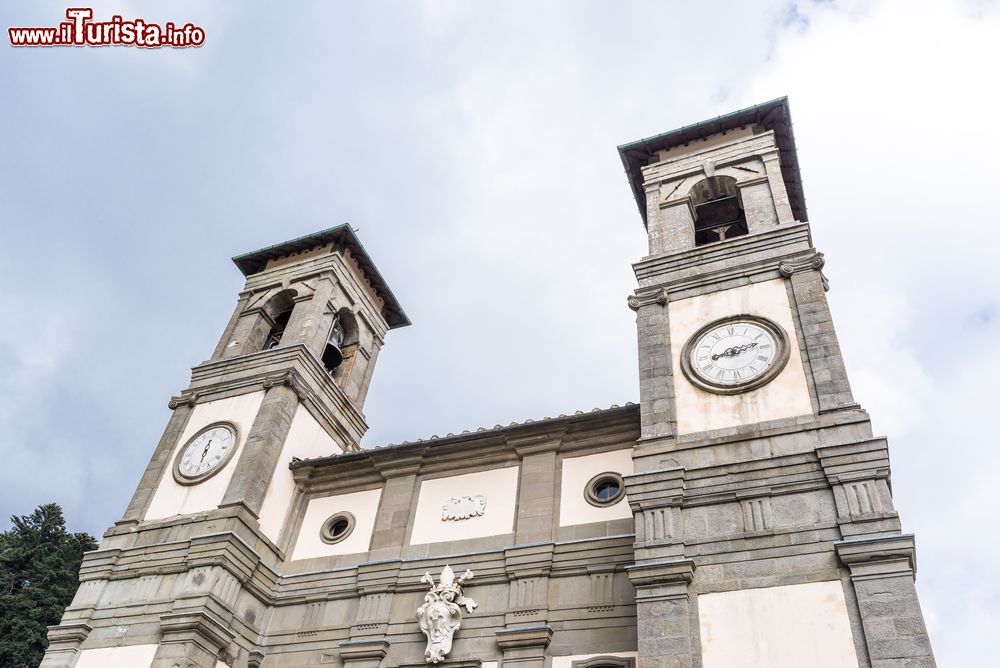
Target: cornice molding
{"x": 294, "y": 366}
{"x": 738, "y": 258}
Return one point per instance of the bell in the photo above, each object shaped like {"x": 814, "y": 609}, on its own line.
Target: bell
{"x": 332, "y": 356}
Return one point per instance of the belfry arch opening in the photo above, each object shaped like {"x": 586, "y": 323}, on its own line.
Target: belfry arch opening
{"x": 278, "y": 311}
{"x": 718, "y": 210}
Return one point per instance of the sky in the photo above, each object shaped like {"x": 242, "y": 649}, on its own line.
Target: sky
{"x": 473, "y": 147}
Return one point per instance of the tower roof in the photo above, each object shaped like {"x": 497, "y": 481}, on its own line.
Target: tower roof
{"x": 774, "y": 115}
{"x": 343, "y": 236}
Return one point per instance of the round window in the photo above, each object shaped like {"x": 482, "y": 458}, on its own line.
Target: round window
{"x": 605, "y": 489}
{"x": 337, "y": 528}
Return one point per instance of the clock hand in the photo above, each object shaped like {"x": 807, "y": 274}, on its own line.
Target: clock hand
{"x": 205, "y": 451}
{"x": 734, "y": 351}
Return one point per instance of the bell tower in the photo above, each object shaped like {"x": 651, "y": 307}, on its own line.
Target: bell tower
{"x": 287, "y": 381}
{"x": 765, "y": 528}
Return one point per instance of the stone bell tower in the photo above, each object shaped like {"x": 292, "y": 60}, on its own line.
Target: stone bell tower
{"x": 765, "y": 528}
{"x": 184, "y": 578}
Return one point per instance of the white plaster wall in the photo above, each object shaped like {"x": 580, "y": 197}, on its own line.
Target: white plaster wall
{"x": 576, "y": 473}
{"x": 567, "y": 661}
{"x": 132, "y": 656}
{"x": 363, "y": 505}
{"x": 306, "y": 440}
{"x": 172, "y": 498}
{"x": 787, "y": 395}
{"x": 499, "y": 486}
{"x": 777, "y": 627}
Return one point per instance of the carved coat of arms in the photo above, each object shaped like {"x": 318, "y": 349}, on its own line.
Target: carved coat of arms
{"x": 463, "y": 507}
{"x": 441, "y": 614}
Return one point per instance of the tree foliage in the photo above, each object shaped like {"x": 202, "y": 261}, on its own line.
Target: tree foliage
{"x": 39, "y": 562}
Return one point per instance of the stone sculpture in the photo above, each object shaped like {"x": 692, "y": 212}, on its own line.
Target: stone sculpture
{"x": 441, "y": 614}
{"x": 463, "y": 507}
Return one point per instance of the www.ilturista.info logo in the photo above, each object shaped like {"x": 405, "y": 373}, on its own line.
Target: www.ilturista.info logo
{"x": 80, "y": 30}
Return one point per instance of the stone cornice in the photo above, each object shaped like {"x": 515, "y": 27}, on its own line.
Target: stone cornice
{"x": 259, "y": 573}
{"x": 855, "y": 461}
{"x": 754, "y": 257}
{"x": 294, "y": 366}
{"x": 618, "y": 425}
{"x": 655, "y": 489}
{"x": 691, "y": 164}
{"x": 663, "y": 446}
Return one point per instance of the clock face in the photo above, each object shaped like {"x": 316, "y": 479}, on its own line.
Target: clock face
{"x": 735, "y": 354}
{"x": 205, "y": 454}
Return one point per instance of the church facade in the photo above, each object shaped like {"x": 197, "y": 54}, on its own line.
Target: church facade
{"x": 740, "y": 515}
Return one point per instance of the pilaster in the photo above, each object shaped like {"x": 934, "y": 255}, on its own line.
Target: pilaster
{"x": 227, "y": 334}
{"x": 524, "y": 647}
{"x": 673, "y": 228}
{"x": 656, "y": 498}
{"x": 858, "y": 474}
{"x": 312, "y": 317}
{"x": 193, "y": 639}
{"x": 656, "y": 382}
{"x": 536, "y": 514}
{"x": 396, "y": 503}
{"x": 376, "y": 585}
{"x": 363, "y": 653}
{"x": 772, "y": 165}
{"x": 758, "y": 205}
{"x": 882, "y": 571}
{"x": 259, "y": 458}
{"x": 528, "y": 568}
{"x": 64, "y": 645}
{"x": 663, "y": 612}
{"x": 829, "y": 374}
{"x": 182, "y": 407}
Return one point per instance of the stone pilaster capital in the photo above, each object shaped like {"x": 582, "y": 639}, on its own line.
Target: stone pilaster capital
{"x": 661, "y": 572}
{"x": 290, "y": 379}
{"x": 256, "y": 658}
{"x": 882, "y": 556}
{"x": 678, "y": 201}
{"x": 363, "y": 650}
{"x": 648, "y": 297}
{"x": 655, "y": 489}
{"x": 71, "y": 633}
{"x": 524, "y": 636}
{"x": 391, "y": 464}
{"x": 185, "y": 398}
{"x": 196, "y": 626}
{"x": 537, "y": 443}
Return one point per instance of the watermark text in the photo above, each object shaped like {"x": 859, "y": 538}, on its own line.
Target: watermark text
{"x": 81, "y": 30}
